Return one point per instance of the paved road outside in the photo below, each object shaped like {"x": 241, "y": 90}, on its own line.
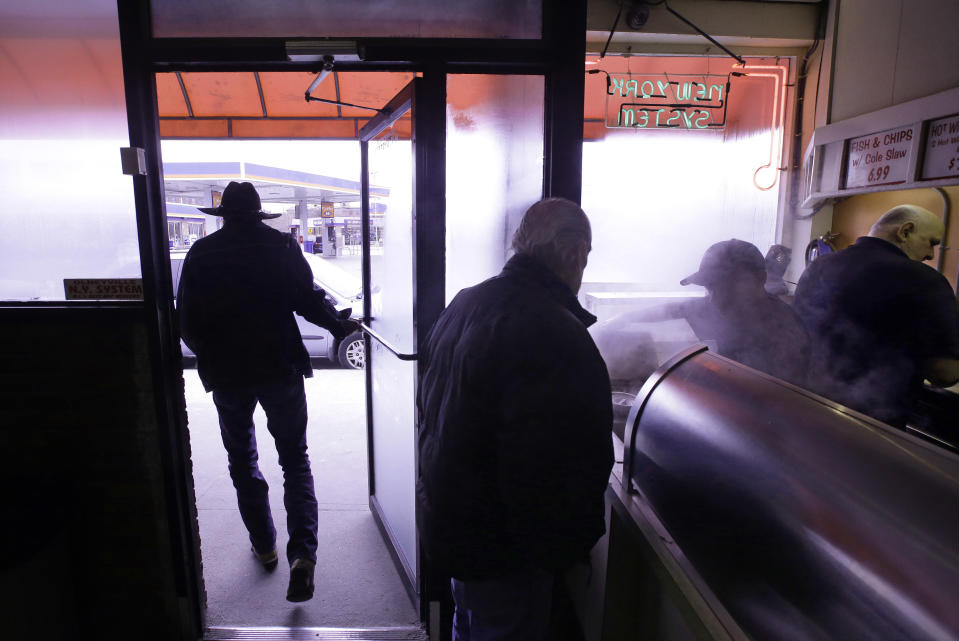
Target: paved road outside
{"x": 356, "y": 582}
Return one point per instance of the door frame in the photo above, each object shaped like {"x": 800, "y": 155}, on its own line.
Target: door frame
{"x": 163, "y": 341}
{"x": 558, "y": 55}
{"x": 425, "y": 99}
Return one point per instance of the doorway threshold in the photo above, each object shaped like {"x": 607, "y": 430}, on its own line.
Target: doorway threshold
{"x": 399, "y": 633}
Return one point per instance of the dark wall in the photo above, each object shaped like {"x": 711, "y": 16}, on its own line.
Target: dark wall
{"x": 85, "y": 546}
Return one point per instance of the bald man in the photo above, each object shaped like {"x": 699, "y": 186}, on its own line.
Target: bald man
{"x": 880, "y": 320}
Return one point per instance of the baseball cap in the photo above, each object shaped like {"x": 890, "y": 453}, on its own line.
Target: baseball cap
{"x": 727, "y": 259}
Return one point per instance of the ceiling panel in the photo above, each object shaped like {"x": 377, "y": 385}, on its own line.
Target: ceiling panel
{"x": 194, "y": 128}
{"x": 325, "y": 129}
{"x": 284, "y": 93}
{"x": 223, "y": 94}
{"x": 370, "y": 89}
{"x": 233, "y": 98}
{"x": 170, "y": 101}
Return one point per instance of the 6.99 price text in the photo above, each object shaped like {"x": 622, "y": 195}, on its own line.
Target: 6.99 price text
{"x": 878, "y": 173}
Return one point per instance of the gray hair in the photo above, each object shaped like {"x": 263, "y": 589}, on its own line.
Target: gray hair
{"x": 552, "y": 231}
{"x": 898, "y": 216}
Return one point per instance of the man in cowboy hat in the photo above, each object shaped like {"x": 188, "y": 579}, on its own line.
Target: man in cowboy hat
{"x": 238, "y": 290}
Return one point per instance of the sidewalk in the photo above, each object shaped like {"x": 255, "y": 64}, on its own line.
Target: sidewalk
{"x": 357, "y": 585}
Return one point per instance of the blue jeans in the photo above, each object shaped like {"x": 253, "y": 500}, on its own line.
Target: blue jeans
{"x": 284, "y": 403}
{"x": 514, "y": 607}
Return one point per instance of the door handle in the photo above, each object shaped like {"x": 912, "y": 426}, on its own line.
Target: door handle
{"x": 382, "y": 341}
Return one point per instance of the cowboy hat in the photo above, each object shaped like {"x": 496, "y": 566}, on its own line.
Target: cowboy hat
{"x": 238, "y": 198}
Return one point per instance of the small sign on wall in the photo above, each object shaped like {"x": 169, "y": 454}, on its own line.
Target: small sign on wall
{"x": 941, "y": 159}
{"x": 879, "y": 159}
{"x": 103, "y": 288}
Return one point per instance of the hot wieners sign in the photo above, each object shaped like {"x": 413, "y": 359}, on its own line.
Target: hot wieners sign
{"x": 666, "y": 101}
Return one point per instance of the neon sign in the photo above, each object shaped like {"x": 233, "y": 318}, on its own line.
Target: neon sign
{"x": 666, "y": 101}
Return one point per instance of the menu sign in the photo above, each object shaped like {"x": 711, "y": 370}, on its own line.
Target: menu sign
{"x": 942, "y": 149}
{"x": 879, "y": 159}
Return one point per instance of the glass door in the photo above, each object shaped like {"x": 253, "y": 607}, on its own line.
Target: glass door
{"x": 444, "y": 139}
{"x": 387, "y": 176}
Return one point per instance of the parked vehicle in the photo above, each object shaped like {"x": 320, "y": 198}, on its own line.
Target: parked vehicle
{"x": 342, "y": 289}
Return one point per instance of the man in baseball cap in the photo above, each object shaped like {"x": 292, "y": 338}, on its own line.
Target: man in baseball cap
{"x": 732, "y": 258}
{"x": 748, "y": 324}
{"x": 737, "y": 315}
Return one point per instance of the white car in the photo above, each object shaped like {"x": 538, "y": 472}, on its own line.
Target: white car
{"x": 342, "y": 289}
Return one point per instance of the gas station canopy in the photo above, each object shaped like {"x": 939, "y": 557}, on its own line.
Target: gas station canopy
{"x": 275, "y": 185}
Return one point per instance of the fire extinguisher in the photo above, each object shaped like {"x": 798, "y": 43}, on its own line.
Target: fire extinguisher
{"x": 821, "y": 246}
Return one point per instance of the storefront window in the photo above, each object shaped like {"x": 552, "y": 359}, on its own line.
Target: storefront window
{"x": 67, "y": 210}
{"x": 658, "y": 196}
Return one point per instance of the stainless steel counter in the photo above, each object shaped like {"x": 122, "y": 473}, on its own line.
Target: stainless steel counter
{"x": 805, "y": 519}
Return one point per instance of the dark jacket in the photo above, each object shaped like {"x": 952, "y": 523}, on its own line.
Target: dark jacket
{"x": 238, "y": 290}
{"x": 515, "y": 428}
{"x": 766, "y": 335}
{"x": 874, "y": 315}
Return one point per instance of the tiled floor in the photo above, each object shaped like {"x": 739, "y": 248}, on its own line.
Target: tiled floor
{"x": 356, "y": 582}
